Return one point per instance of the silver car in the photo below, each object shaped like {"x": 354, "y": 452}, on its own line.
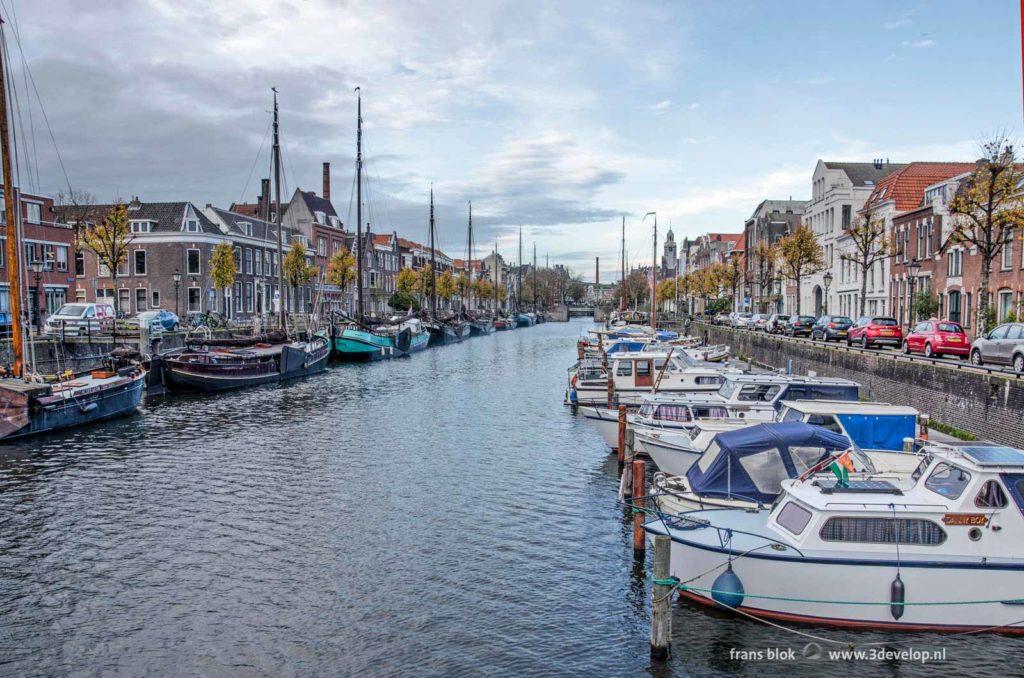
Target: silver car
{"x": 1002, "y": 346}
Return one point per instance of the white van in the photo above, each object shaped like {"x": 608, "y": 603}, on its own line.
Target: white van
{"x": 80, "y": 319}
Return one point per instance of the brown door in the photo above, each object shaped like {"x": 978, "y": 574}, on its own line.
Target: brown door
{"x": 644, "y": 376}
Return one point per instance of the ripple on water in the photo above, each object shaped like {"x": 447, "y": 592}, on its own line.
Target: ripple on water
{"x": 439, "y": 515}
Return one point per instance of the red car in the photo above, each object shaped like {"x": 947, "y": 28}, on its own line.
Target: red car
{"x": 875, "y": 331}
{"x": 936, "y": 338}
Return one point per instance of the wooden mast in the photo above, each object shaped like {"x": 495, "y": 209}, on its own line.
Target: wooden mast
{"x": 497, "y": 279}
{"x": 535, "y": 277}
{"x": 433, "y": 260}
{"x": 277, "y": 216}
{"x": 622, "y": 295}
{"x": 519, "y": 274}
{"x": 469, "y": 259}
{"x": 13, "y": 249}
{"x": 359, "y": 203}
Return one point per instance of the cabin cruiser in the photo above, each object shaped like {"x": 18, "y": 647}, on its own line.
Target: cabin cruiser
{"x": 871, "y": 426}
{"x": 938, "y": 549}
{"x": 739, "y": 390}
{"x": 636, "y": 374}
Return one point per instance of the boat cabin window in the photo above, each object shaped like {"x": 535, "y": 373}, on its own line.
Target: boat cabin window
{"x": 825, "y": 421}
{"x": 714, "y": 381}
{"x": 948, "y": 480}
{"x": 793, "y": 517}
{"x": 759, "y": 393}
{"x": 806, "y": 457}
{"x": 673, "y": 413}
{"x": 624, "y": 369}
{"x": 646, "y": 409}
{"x": 991, "y": 496}
{"x": 643, "y": 368}
{"x": 921, "y": 468}
{"x": 883, "y": 531}
{"x": 792, "y": 415}
{"x": 710, "y": 413}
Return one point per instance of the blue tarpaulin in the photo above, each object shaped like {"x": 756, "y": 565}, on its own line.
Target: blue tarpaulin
{"x": 750, "y": 463}
{"x": 878, "y": 431}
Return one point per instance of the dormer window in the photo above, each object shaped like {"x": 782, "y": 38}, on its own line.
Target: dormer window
{"x": 192, "y": 225}
{"x": 321, "y": 217}
{"x": 335, "y": 222}
{"x": 142, "y": 226}
{"x": 246, "y": 227}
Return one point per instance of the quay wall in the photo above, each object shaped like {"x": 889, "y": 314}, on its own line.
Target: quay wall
{"x": 988, "y": 405}
{"x": 84, "y": 353}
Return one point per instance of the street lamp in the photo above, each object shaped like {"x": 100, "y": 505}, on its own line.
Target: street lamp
{"x": 177, "y": 284}
{"x": 912, "y": 268}
{"x": 37, "y": 268}
{"x": 828, "y": 283}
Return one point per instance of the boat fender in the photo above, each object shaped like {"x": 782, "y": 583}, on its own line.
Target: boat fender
{"x": 897, "y": 594}
{"x": 573, "y": 398}
{"x": 728, "y": 589}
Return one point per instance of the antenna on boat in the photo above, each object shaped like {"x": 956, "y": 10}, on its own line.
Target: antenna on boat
{"x": 359, "y": 202}
{"x": 13, "y": 249}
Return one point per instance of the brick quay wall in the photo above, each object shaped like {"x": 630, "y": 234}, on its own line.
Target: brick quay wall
{"x": 990, "y": 406}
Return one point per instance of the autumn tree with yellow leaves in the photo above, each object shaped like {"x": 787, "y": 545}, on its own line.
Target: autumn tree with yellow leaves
{"x": 110, "y": 241}
{"x": 800, "y": 255}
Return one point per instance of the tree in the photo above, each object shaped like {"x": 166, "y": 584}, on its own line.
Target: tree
{"x": 341, "y": 269}
{"x": 110, "y": 240}
{"x": 870, "y": 245}
{"x": 223, "y": 270}
{"x": 446, "y": 285}
{"x": 461, "y": 286}
{"x": 576, "y": 291}
{"x": 400, "y": 300}
{"x": 425, "y": 284}
{"x": 923, "y": 306}
{"x": 801, "y": 255}
{"x": 634, "y": 289}
{"x": 730, "y": 277}
{"x": 766, "y": 257}
{"x": 483, "y": 290}
{"x": 407, "y": 281}
{"x": 297, "y": 270}
{"x": 987, "y": 211}
{"x": 76, "y": 208}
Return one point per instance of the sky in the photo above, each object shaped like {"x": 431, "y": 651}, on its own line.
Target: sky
{"x": 559, "y": 117}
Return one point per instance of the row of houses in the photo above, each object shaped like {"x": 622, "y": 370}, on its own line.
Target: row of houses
{"x": 911, "y": 200}
{"x": 169, "y": 261}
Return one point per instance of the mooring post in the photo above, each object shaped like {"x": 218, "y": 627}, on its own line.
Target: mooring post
{"x": 908, "y": 445}
{"x": 924, "y": 427}
{"x": 661, "y": 622}
{"x": 622, "y": 434}
{"x": 639, "y": 503}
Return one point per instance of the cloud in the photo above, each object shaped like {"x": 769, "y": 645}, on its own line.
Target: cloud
{"x": 694, "y": 106}
{"x": 662, "y": 105}
{"x": 923, "y": 43}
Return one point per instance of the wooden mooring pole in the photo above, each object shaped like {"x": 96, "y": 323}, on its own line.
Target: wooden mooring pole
{"x": 661, "y": 599}
{"x": 639, "y": 503}
{"x": 923, "y": 421}
{"x": 622, "y": 435}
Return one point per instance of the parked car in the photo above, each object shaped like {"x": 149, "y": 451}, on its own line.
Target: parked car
{"x": 875, "y": 331}
{"x": 159, "y": 319}
{"x": 1002, "y": 346}
{"x": 776, "y": 323}
{"x": 829, "y": 327}
{"x": 799, "y": 326}
{"x": 721, "y": 319}
{"x": 758, "y": 322}
{"x": 936, "y": 338}
{"x": 742, "y": 320}
{"x": 81, "y": 318}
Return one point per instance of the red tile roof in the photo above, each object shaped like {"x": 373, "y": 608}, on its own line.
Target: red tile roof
{"x": 906, "y": 186}
{"x": 381, "y": 239}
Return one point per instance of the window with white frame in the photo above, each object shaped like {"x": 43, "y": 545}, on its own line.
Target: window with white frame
{"x": 249, "y": 298}
{"x": 248, "y": 260}
{"x": 33, "y": 212}
{"x": 192, "y": 225}
{"x": 62, "y": 257}
{"x": 142, "y": 226}
{"x": 156, "y": 299}
{"x": 140, "y": 262}
{"x": 192, "y": 262}
{"x": 1007, "y": 260}
{"x": 246, "y": 227}
{"x": 1005, "y": 304}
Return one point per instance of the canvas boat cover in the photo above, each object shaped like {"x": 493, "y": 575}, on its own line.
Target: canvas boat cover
{"x": 751, "y": 463}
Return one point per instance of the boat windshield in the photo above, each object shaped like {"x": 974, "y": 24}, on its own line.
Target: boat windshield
{"x": 919, "y": 471}
{"x": 948, "y": 480}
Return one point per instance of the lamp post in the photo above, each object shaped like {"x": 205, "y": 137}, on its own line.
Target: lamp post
{"x": 177, "y": 284}
{"x": 37, "y": 268}
{"x": 828, "y": 283}
{"x": 912, "y": 268}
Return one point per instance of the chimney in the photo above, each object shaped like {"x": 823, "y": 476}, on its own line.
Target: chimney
{"x": 327, "y": 181}
{"x": 263, "y": 204}
{"x": 597, "y": 270}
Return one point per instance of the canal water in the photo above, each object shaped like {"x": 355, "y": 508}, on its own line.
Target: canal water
{"x": 439, "y": 515}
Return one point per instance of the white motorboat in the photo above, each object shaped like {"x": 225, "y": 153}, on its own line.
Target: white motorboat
{"x": 636, "y": 374}
{"x": 936, "y": 550}
{"x": 675, "y": 452}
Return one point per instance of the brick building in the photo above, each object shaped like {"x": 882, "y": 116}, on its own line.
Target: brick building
{"x": 950, "y": 273}
{"x": 771, "y": 221}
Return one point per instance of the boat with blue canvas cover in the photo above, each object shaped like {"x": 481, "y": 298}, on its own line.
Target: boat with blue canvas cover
{"x": 937, "y": 549}
{"x": 525, "y": 320}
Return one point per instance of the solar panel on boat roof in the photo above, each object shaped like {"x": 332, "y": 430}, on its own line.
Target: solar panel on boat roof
{"x": 994, "y": 456}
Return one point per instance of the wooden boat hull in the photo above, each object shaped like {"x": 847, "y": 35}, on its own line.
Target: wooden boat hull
{"x": 358, "y": 345}
{"x": 109, "y": 401}
{"x": 480, "y": 328}
{"x": 294, "y": 362}
{"x": 444, "y": 334}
